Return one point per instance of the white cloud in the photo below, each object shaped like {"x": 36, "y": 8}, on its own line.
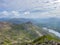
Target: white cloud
{"x": 5, "y": 13}
{"x": 49, "y": 8}
{"x": 26, "y": 4}
{"x": 15, "y": 13}
{"x": 11, "y": 14}
{"x": 27, "y": 12}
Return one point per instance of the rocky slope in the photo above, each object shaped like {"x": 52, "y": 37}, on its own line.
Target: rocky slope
{"x": 21, "y": 34}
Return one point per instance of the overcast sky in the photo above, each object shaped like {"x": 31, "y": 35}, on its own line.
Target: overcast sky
{"x": 29, "y": 8}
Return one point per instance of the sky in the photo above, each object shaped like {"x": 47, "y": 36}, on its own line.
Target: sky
{"x": 29, "y": 8}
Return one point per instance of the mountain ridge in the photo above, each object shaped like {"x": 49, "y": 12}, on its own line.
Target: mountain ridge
{"x": 26, "y": 32}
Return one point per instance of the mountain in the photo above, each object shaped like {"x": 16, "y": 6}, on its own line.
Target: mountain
{"x": 15, "y": 20}
{"x": 46, "y": 40}
{"x": 20, "y": 31}
{"x": 20, "y": 34}
{"x": 51, "y": 23}
{"x": 13, "y": 33}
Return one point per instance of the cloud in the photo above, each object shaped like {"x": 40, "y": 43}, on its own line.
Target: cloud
{"x": 6, "y": 14}
{"x": 3, "y": 14}
{"x": 15, "y": 13}
{"x": 28, "y": 14}
{"x": 25, "y": 4}
{"x": 29, "y": 8}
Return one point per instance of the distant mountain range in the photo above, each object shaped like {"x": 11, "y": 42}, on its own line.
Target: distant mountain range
{"x": 52, "y": 23}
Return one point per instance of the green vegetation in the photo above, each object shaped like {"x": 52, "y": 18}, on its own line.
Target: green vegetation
{"x": 46, "y": 40}
{"x": 23, "y": 34}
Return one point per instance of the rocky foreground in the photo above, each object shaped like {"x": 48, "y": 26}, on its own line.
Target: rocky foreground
{"x": 44, "y": 40}
{"x": 45, "y": 43}
{"x": 41, "y": 41}
{"x": 51, "y": 42}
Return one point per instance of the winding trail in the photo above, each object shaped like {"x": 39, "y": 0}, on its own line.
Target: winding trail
{"x": 38, "y": 33}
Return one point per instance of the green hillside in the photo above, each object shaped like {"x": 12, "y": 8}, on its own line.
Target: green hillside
{"x": 23, "y": 34}
{"x": 46, "y": 39}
